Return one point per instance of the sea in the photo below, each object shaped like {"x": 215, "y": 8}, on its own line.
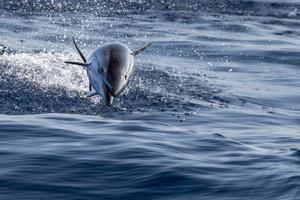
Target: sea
{"x": 211, "y": 112}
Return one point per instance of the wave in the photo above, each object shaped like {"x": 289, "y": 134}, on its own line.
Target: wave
{"x": 90, "y": 157}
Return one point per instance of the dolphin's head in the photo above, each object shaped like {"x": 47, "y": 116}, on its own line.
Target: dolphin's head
{"x": 119, "y": 67}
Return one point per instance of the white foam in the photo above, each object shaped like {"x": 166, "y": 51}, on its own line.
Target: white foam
{"x": 47, "y": 69}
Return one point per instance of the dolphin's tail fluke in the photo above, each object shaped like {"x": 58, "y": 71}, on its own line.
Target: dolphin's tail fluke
{"x": 80, "y": 53}
{"x": 140, "y": 50}
{"x": 85, "y": 65}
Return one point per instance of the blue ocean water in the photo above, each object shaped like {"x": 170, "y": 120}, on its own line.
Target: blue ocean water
{"x": 212, "y": 110}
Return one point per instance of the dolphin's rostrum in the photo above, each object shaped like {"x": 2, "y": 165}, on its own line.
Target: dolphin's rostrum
{"x": 109, "y": 69}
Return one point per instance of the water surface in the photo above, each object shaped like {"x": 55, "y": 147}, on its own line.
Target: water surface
{"x": 211, "y": 112}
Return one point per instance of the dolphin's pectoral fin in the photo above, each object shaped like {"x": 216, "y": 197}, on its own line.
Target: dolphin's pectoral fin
{"x": 108, "y": 85}
{"x": 140, "y": 50}
{"x": 92, "y": 93}
{"x": 80, "y": 53}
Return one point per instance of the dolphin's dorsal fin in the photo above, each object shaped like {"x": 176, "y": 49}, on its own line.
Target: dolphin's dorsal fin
{"x": 141, "y": 49}
{"x": 80, "y": 53}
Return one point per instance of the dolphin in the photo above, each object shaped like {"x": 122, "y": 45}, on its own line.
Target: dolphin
{"x": 109, "y": 68}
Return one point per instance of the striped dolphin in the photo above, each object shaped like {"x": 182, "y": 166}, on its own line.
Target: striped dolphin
{"x": 109, "y": 69}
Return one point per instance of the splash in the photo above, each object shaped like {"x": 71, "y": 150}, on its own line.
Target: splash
{"x": 41, "y": 82}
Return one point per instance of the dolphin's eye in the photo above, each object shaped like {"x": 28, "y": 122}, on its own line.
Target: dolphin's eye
{"x": 102, "y": 71}
{"x": 125, "y": 77}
